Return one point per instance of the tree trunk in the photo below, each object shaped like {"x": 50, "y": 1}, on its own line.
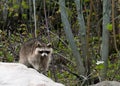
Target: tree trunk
{"x": 82, "y": 33}
{"x": 105, "y": 36}
{"x": 70, "y": 37}
{"x": 35, "y": 34}
{"x": 5, "y": 11}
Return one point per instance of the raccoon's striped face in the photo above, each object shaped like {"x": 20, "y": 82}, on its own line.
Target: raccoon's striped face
{"x": 43, "y": 50}
{"x": 44, "y": 53}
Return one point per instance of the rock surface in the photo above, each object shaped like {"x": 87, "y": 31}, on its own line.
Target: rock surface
{"x": 15, "y": 74}
{"x": 107, "y": 83}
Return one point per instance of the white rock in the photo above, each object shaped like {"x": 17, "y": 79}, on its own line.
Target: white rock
{"x": 107, "y": 83}
{"x": 16, "y": 74}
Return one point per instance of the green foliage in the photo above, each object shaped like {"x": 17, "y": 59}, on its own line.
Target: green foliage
{"x": 15, "y": 15}
{"x": 15, "y": 6}
{"x": 0, "y": 31}
{"x": 24, "y": 4}
{"x": 10, "y": 58}
{"x": 114, "y": 70}
{"x": 24, "y": 16}
{"x": 69, "y": 12}
{"x": 109, "y": 27}
{"x": 1, "y": 53}
{"x": 99, "y": 66}
{"x": 86, "y": 0}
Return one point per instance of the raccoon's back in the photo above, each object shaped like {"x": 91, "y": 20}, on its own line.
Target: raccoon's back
{"x": 25, "y": 50}
{"x": 27, "y": 47}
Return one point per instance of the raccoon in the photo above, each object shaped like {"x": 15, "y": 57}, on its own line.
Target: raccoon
{"x": 36, "y": 54}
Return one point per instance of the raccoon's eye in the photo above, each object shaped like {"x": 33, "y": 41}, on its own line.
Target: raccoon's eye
{"x": 40, "y": 52}
{"x": 47, "y": 52}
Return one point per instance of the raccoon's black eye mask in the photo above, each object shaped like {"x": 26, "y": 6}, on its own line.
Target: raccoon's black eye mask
{"x": 44, "y": 52}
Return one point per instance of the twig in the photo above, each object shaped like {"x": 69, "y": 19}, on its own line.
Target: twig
{"x": 64, "y": 57}
{"x": 46, "y": 21}
{"x": 60, "y": 39}
{"x": 113, "y": 26}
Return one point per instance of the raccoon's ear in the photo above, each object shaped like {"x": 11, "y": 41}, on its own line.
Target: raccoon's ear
{"x": 49, "y": 45}
{"x": 38, "y": 44}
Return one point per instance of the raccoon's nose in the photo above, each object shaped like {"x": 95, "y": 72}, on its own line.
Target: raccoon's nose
{"x": 44, "y": 54}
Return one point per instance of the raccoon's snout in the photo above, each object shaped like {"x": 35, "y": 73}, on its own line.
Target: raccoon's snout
{"x": 44, "y": 54}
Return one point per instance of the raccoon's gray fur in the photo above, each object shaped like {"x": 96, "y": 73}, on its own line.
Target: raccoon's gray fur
{"x": 36, "y": 54}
